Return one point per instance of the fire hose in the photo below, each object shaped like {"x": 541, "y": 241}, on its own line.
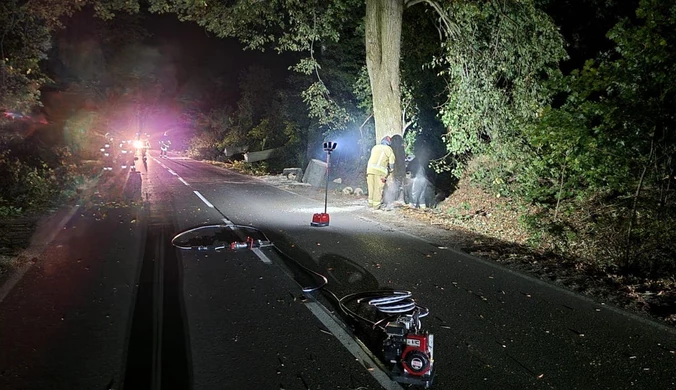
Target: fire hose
{"x": 407, "y": 348}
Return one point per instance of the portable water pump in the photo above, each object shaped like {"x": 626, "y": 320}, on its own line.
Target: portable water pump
{"x": 409, "y": 350}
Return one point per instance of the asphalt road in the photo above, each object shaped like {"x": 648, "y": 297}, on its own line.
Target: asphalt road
{"x": 111, "y": 304}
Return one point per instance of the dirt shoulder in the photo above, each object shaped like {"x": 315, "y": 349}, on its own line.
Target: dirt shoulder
{"x": 488, "y": 227}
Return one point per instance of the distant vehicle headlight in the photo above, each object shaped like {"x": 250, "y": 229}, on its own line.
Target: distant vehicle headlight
{"x": 138, "y": 144}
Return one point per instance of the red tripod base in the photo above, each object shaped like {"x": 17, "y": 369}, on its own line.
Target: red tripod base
{"x": 320, "y": 220}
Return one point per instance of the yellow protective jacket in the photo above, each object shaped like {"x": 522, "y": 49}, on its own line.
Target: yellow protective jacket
{"x": 381, "y": 157}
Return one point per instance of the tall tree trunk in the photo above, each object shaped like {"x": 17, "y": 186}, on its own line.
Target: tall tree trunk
{"x": 383, "y": 52}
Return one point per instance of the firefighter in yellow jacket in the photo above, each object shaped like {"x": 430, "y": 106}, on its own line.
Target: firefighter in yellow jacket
{"x": 381, "y": 163}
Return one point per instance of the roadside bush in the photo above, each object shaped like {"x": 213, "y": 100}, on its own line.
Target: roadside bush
{"x": 201, "y": 150}
{"x": 596, "y": 232}
{"x": 24, "y": 186}
{"x": 32, "y": 177}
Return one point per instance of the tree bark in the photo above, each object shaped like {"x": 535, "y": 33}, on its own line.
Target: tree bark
{"x": 383, "y": 53}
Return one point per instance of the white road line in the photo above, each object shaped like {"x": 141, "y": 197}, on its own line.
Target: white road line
{"x": 261, "y": 255}
{"x": 351, "y": 345}
{"x": 203, "y": 199}
{"x": 161, "y": 163}
{"x": 227, "y": 221}
{"x": 183, "y": 181}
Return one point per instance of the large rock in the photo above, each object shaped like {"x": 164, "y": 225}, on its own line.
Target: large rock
{"x": 315, "y": 173}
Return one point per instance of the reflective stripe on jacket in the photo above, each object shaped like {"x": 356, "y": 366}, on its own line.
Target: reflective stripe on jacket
{"x": 381, "y": 157}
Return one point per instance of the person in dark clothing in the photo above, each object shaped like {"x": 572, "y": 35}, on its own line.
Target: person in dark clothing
{"x": 395, "y": 184}
{"x": 164, "y": 145}
{"x": 419, "y": 189}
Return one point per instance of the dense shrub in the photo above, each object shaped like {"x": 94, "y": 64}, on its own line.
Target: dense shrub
{"x": 33, "y": 177}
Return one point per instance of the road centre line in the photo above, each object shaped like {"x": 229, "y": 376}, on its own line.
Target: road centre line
{"x": 264, "y": 258}
{"x": 329, "y": 322}
{"x": 351, "y": 345}
{"x": 183, "y": 181}
{"x": 159, "y": 162}
{"x": 203, "y": 199}
{"x": 172, "y": 172}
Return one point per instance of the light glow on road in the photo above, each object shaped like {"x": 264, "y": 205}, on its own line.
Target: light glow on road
{"x": 347, "y": 209}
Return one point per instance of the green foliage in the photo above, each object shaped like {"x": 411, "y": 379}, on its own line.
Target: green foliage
{"x": 618, "y": 115}
{"x": 287, "y": 25}
{"x": 266, "y": 117}
{"x": 26, "y": 39}
{"x": 25, "y": 42}
{"x": 308, "y": 27}
{"x": 324, "y": 109}
{"x": 609, "y": 149}
{"x": 10, "y": 211}
{"x": 210, "y": 141}
{"x": 496, "y": 62}
{"x": 32, "y": 177}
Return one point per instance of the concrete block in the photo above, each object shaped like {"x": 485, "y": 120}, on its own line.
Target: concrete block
{"x": 293, "y": 174}
{"x": 315, "y": 173}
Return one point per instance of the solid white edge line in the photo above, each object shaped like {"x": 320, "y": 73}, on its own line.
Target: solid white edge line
{"x": 203, "y": 199}
{"x": 261, "y": 255}
{"x": 348, "y": 342}
{"x": 183, "y": 181}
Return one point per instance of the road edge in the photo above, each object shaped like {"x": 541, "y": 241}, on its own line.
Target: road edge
{"x": 46, "y": 231}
